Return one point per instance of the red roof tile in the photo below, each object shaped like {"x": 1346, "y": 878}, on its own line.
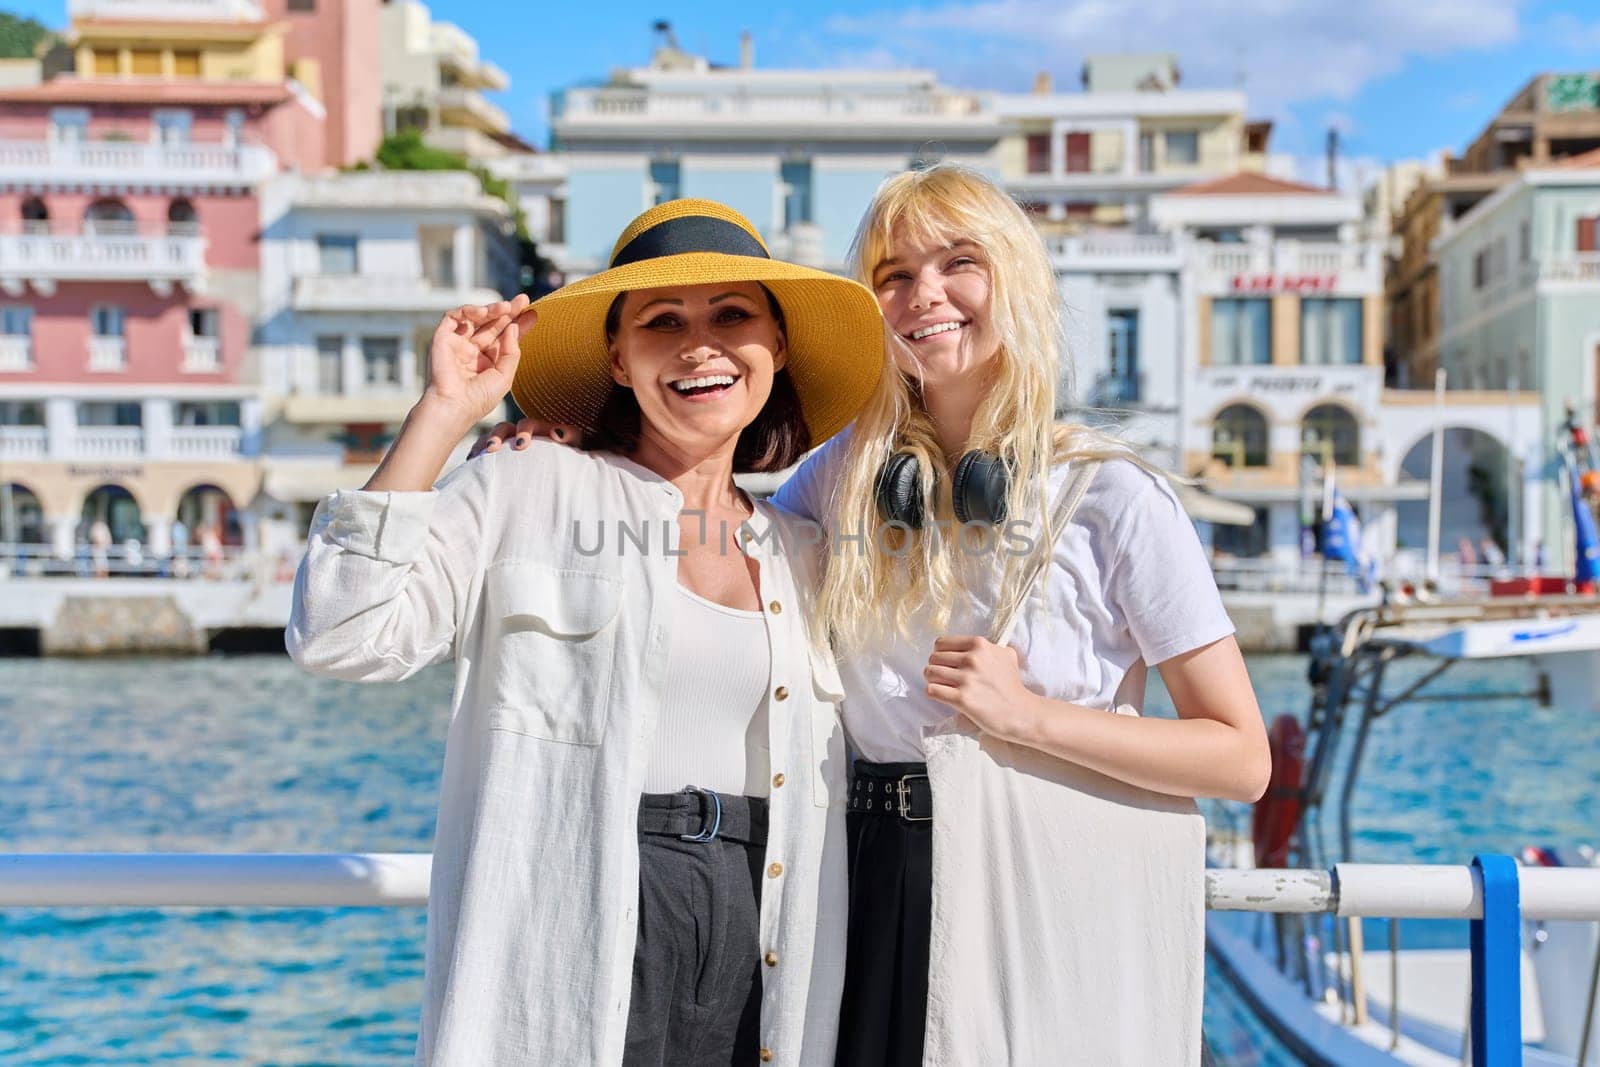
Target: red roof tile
{"x": 1248, "y": 184}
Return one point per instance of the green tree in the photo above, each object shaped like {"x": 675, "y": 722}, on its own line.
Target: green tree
{"x": 19, "y": 36}
{"x": 405, "y": 150}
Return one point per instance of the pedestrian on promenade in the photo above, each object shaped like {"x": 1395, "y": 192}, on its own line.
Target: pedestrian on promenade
{"x": 1026, "y": 866}
{"x": 100, "y": 547}
{"x": 180, "y": 549}
{"x": 624, "y": 620}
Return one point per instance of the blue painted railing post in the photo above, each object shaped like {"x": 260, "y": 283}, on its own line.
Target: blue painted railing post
{"x": 1497, "y": 966}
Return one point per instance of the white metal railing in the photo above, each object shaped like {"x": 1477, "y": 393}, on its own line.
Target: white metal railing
{"x": 388, "y": 292}
{"x": 1576, "y": 268}
{"x": 1291, "y": 258}
{"x": 202, "y": 355}
{"x": 16, "y": 354}
{"x": 106, "y": 250}
{"x": 160, "y": 10}
{"x": 742, "y": 103}
{"x": 191, "y": 162}
{"x": 108, "y": 442}
{"x": 108, "y": 354}
{"x": 223, "y": 563}
{"x": 24, "y": 442}
{"x": 1493, "y": 893}
{"x": 209, "y": 880}
{"x": 1268, "y": 575}
{"x": 1145, "y": 251}
{"x": 205, "y": 442}
{"x": 474, "y": 104}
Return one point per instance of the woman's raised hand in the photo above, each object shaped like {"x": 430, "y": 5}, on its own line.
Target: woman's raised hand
{"x": 473, "y": 357}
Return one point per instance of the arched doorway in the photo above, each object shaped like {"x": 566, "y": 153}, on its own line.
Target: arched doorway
{"x": 35, "y": 216}
{"x": 208, "y": 508}
{"x": 1474, "y": 498}
{"x": 109, "y": 216}
{"x": 1329, "y": 430}
{"x": 116, "y": 507}
{"x": 21, "y": 517}
{"x": 182, "y": 217}
{"x": 1239, "y": 436}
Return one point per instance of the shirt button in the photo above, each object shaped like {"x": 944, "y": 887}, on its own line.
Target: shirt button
{"x": 766, "y": 1055}
{"x": 777, "y": 781}
{"x": 775, "y": 607}
{"x": 782, "y": 692}
{"x": 771, "y": 959}
{"x": 774, "y": 870}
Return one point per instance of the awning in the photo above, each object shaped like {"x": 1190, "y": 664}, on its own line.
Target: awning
{"x": 297, "y": 482}
{"x": 1203, "y": 507}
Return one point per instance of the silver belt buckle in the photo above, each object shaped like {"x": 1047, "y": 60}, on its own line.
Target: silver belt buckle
{"x": 903, "y": 795}
{"x": 703, "y": 835}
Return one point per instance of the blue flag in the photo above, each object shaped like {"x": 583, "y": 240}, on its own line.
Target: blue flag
{"x": 1341, "y": 540}
{"x": 1585, "y": 542}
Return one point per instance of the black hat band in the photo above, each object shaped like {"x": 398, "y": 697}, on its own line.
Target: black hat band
{"x": 692, "y": 233}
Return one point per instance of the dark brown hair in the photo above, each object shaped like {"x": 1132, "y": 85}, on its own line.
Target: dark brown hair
{"x": 776, "y": 439}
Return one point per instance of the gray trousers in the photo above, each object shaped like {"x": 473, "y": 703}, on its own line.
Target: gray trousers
{"x": 696, "y": 966}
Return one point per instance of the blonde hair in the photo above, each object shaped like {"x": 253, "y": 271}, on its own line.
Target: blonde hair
{"x": 916, "y": 575}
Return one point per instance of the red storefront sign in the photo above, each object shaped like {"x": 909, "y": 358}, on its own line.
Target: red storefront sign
{"x": 1285, "y": 283}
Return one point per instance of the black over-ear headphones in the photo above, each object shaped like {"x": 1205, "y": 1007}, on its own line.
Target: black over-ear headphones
{"x": 978, "y": 493}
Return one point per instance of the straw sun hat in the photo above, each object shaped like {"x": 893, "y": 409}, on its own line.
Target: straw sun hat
{"x": 834, "y": 329}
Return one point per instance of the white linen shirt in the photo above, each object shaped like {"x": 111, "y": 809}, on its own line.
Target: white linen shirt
{"x": 518, "y": 568}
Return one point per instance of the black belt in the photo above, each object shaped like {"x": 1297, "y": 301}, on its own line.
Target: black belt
{"x": 898, "y": 789}
{"x": 700, "y": 815}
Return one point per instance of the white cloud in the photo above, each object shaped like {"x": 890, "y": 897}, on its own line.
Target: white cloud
{"x": 1573, "y": 33}
{"x": 1281, "y": 52}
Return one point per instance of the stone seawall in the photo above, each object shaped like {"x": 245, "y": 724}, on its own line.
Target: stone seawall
{"x": 122, "y": 625}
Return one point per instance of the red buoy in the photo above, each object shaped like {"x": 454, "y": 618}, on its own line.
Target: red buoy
{"x": 1277, "y": 813}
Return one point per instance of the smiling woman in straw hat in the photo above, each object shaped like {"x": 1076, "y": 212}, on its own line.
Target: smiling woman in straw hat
{"x": 615, "y": 641}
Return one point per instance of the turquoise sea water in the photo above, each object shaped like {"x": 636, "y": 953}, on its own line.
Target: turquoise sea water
{"x": 249, "y": 754}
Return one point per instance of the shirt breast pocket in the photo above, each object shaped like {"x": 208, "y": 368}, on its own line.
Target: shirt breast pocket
{"x": 831, "y": 777}
{"x": 553, "y": 650}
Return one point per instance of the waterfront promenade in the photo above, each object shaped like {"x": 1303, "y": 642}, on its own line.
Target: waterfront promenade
{"x": 55, "y": 606}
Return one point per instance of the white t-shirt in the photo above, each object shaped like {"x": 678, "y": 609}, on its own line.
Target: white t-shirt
{"x": 1128, "y": 580}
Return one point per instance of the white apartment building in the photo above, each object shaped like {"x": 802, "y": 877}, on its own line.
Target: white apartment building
{"x": 356, "y": 271}
{"x": 434, "y": 81}
{"x": 799, "y": 152}
{"x": 1087, "y": 166}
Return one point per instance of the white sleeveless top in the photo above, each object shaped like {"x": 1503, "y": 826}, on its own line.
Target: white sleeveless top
{"x": 712, "y": 729}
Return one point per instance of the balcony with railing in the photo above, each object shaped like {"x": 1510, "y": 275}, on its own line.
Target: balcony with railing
{"x": 461, "y": 106}
{"x": 205, "y": 442}
{"x": 16, "y": 354}
{"x": 1582, "y": 268}
{"x": 383, "y": 292}
{"x": 104, "y": 251}
{"x": 1290, "y": 265}
{"x": 108, "y": 354}
{"x": 1115, "y": 252}
{"x": 167, "y": 10}
{"x": 202, "y": 355}
{"x": 744, "y": 106}
{"x": 108, "y": 442}
{"x": 24, "y": 443}
{"x": 48, "y": 163}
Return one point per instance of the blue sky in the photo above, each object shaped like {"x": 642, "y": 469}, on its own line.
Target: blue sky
{"x": 1399, "y": 78}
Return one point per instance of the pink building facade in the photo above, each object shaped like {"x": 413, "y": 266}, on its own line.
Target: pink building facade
{"x": 129, "y": 282}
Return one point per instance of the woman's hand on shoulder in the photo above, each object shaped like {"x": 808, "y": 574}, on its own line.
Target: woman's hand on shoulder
{"x": 983, "y": 681}
{"x": 472, "y": 359}
{"x": 521, "y": 434}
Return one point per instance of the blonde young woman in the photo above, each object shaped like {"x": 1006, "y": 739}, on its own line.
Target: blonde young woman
{"x": 966, "y": 289}
{"x": 639, "y": 856}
